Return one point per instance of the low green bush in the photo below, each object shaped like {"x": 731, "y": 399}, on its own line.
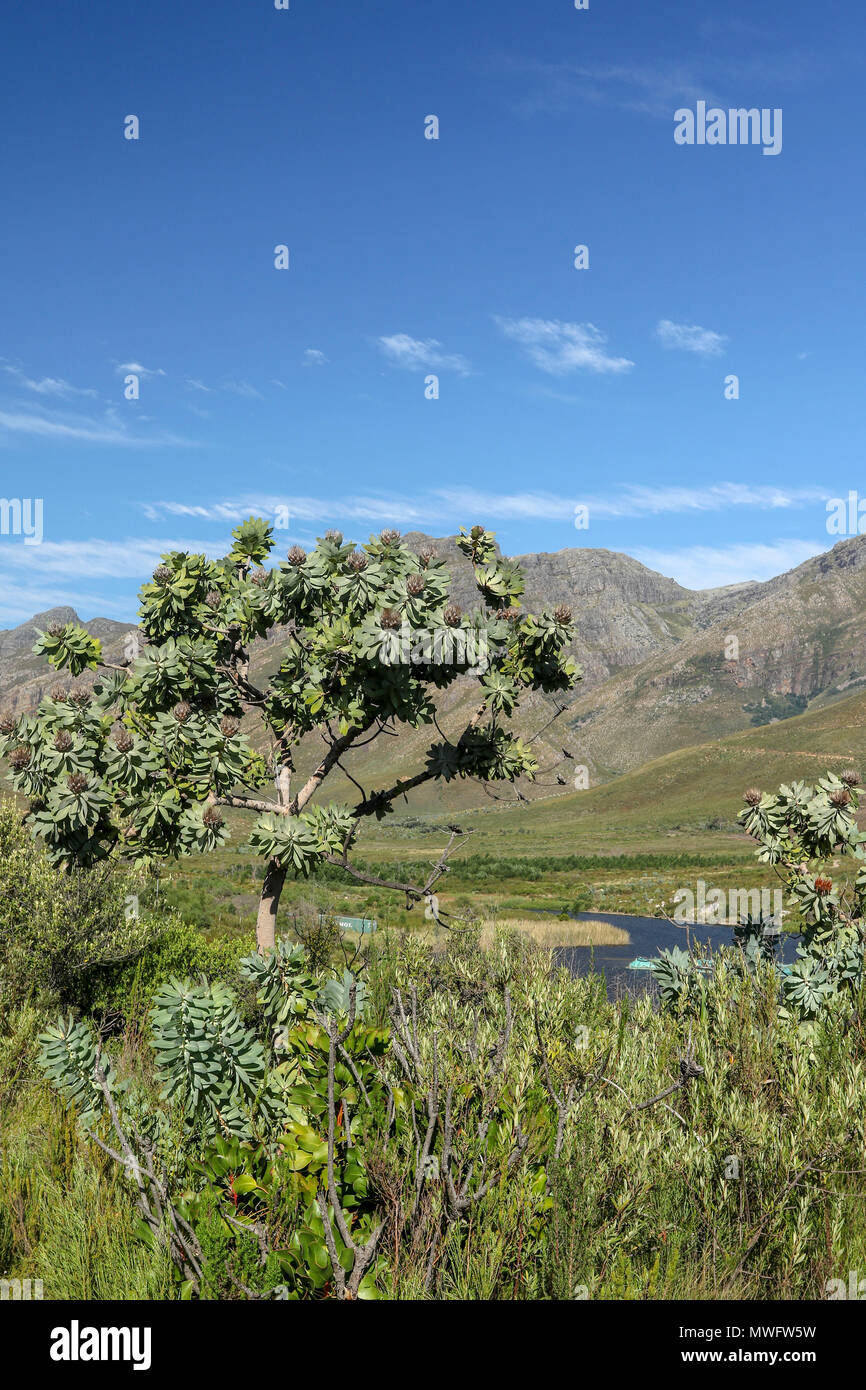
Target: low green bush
{"x": 60, "y": 929}
{"x": 178, "y": 949}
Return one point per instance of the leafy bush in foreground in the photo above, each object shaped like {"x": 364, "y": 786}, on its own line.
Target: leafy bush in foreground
{"x": 498, "y": 1131}
{"x": 61, "y": 932}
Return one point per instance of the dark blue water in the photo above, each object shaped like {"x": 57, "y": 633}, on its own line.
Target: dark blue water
{"x": 649, "y": 935}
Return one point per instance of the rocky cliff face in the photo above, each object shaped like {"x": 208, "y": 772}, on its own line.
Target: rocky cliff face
{"x": 767, "y": 651}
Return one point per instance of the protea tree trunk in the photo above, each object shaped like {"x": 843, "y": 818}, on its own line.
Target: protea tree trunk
{"x": 275, "y": 874}
{"x": 266, "y": 922}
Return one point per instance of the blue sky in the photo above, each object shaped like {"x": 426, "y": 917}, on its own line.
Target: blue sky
{"x": 305, "y": 388}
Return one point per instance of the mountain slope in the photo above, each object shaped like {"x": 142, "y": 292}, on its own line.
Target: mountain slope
{"x": 770, "y": 650}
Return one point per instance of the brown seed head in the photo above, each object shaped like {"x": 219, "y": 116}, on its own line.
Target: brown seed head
{"x": 426, "y": 554}
{"x": 389, "y": 618}
{"x": 415, "y": 584}
{"x": 389, "y": 537}
{"x": 228, "y": 727}
{"x": 55, "y": 629}
{"x": 81, "y": 697}
{"x": 850, "y": 777}
{"x": 212, "y": 818}
{"x": 20, "y": 757}
{"x": 162, "y": 575}
{"x": 357, "y": 561}
{"x": 296, "y": 555}
{"x": 335, "y": 537}
{"x": 752, "y": 796}
{"x": 63, "y": 741}
{"x": 182, "y": 711}
{"x": 562, "y": 614}
{"x": 123, "y": 740}
{"x": 213, "y": 598}
{"x": 842, "y": 797}
{"x": 8, "y": 724}
{"x": 452, "y": 615}
{"x": 78, "y": 783}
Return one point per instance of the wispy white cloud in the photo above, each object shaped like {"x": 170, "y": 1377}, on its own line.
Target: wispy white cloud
{"x": 657, "y": 89}
{"x": 35, "y": 578}
{"x": 105, "y": 430}
{"x": 242, "y": 388}
{"x": 711, "y": 567}
{"x": 48, "y": 385}
{"x": 231, "y": 387}
{"x": 634, "y": 500}
{"x": 392, "y": 509}
{"x": 648, "y": 89}
{"x": 133, "y": 557}
{"x": 559, "y": 348}
{"x": 448, "y": 506}
{"x": 138, "y": 369}
{"x": 416, "y": 354}
{"x": 313, "y": 357}
{"x": 690, "y": 337}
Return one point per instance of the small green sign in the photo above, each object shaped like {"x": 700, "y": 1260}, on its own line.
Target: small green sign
{"x": 358, "y": 924}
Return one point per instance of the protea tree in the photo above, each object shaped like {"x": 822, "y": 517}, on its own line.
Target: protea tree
{"x": 143, "y": 757}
